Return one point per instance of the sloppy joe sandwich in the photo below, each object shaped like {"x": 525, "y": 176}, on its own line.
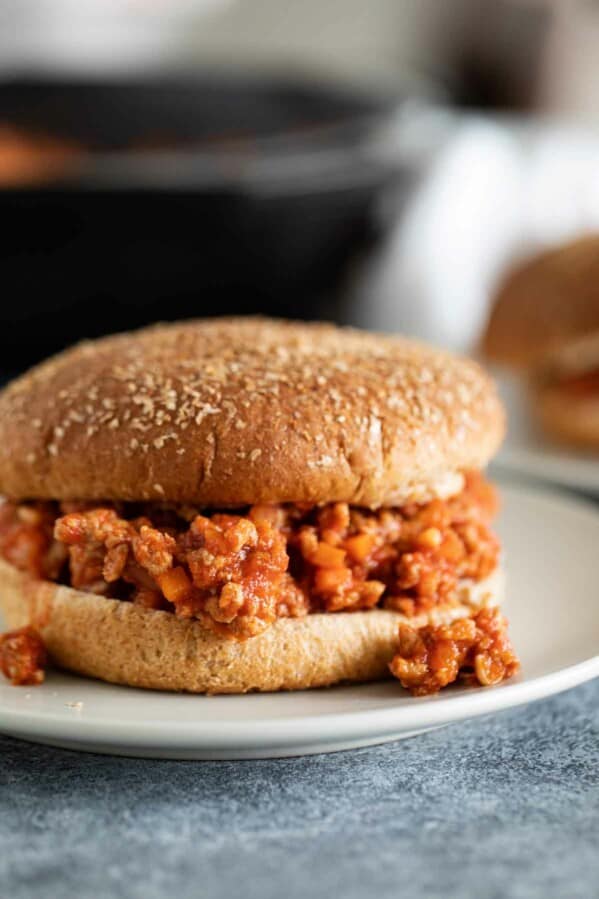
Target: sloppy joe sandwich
{"x": 545, "y": 324}
{"x": 243, "y": 504}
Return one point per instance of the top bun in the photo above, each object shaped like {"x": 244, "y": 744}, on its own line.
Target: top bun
{"x": 235, "y": 411}
{"x": 544, "y": 304}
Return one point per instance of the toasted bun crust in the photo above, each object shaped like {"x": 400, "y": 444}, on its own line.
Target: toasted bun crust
{"x": 569, "y": 419}
{"x": 125, "y": 644}
{"x": 544, "y": 304}
{"x": 229, "y": 412}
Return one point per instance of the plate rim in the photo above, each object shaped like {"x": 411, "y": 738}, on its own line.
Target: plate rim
{"x": 325, "y": 728}
{"x": 529, "y": 452}
{"x": 566, "y": 471}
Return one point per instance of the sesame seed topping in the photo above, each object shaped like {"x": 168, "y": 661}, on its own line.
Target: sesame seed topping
{"x": 213, "y": 389}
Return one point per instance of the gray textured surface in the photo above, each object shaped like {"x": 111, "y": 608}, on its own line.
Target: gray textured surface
{"x": 502, "y": 807}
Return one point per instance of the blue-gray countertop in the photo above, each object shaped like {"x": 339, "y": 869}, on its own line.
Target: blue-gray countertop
{"x": 506, "y": 806}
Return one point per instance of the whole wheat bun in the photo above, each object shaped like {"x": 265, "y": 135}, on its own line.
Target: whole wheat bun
{"x": 126, "y": 644}
{"x": 229, "y": 412}
{"x": 545, "y": 304}
{"x": 569, "y": 419}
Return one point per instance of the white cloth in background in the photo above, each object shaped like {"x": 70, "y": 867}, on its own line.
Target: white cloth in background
{"x": 495, "y": 191}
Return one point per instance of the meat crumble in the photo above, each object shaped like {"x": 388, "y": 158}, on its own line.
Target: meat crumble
{"x": 238, "y": 573}
{"x": 23, "y": 657}
{"x": 476, "y": 649}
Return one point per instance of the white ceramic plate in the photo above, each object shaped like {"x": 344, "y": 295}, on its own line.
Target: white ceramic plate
{"x": 553, "y": 591}
{"x": 529, "y": 452}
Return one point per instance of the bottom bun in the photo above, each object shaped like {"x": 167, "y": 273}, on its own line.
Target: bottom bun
{"x": 126, "y": 644}
{"x": 569, "y": 419}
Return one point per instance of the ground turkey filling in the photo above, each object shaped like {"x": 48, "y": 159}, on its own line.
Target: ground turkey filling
{"x": 237, "y": 573}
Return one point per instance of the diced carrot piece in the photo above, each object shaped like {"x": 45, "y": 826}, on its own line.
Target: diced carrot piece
{"x": 360, "y": 546}
{"x": 326, "y": 556}
{"x": 430, "y": 538}
{"x": 371, "y": 592}
{"x": 333, "y": 538}
{"x": 330, "y": 580}
{"x": 175, "y": 584}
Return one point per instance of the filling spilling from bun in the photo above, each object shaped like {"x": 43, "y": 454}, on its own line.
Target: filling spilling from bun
{"x": 476, "y": 650}
{"x": 239, "y": 572}
{"x": 23, "y": 657}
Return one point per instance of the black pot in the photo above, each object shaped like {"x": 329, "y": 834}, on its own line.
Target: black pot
{"x": 253, "y": 198}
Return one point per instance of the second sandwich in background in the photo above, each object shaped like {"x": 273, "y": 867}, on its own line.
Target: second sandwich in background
{"x": 544, "y": 324}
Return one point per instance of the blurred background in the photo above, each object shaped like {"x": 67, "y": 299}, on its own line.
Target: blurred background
{"x": 375, "y": 163}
